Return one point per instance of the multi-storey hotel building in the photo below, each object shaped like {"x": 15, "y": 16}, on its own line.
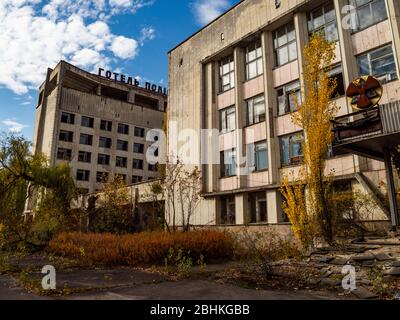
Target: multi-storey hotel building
{"x": 238, "y": 75}
{"x": 98, "y": 123}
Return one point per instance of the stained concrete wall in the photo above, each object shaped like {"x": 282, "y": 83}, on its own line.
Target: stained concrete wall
{"x": 194, "y": 98}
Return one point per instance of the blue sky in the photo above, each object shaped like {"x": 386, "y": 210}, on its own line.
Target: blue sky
{"x": 133, "y": 36}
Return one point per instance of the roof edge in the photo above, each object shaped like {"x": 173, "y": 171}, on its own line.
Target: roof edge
{"x": 204, "y": 27}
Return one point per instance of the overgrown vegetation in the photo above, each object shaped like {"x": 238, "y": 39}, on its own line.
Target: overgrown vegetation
{"x": 181, "y": 187}
{"x": 23, "y": 176}
{"x": 142, "y": 248}
{"x": 264, "y": 248}
{"x": 307, "y": 196}
{"x": 115, "y": 210}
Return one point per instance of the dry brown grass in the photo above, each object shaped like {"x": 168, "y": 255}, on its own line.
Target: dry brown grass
{"x": 142, "y": 248}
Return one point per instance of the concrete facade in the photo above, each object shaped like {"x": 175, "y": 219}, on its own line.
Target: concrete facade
{"x": 101, "y": 109}
{"x": 198, "y": 95}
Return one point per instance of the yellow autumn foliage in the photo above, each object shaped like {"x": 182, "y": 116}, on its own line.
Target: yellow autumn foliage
{"x": 307, "y": 196}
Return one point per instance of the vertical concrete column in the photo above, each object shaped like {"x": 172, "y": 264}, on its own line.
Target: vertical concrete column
{"x": 393, "y": 7}
{"x": 300, "y": 24}
{"x": 209, "y": 144}
{"x": 240, "y": 113}
{"x": 98, "y": 90}
{"x": 391, "y": 189}
{"x": 274, "y": 206}
{"x": 242, "y": 210}
{"x": 60, "y": 84}
{"x": 270, "y": 105}
{"x": 131, "y": 97}
{"x": 349, "y": 62}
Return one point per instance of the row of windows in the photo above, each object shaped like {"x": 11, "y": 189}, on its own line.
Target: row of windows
{"x": 379, "y": 62}
{"x": 322, "y": 20}
{"x": 104, "y": 142}
{"x": 257, "y": 159}
{"x": 257, "y": 204}
{"x": 102, "y": 159}
{"x": 290, "y": 150}
{"x": 105, "y": 125}
{"x": 103, "y": 177}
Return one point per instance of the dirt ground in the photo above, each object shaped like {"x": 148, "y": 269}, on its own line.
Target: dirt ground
{"x": 376, "y": 264}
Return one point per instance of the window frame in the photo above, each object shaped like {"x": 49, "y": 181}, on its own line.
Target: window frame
{"x": 122, "y": 145}
{"x": 250, "y": 104}
{"x": 255, "y": 47}
{"x": 106, "y": 157}
{"x": 140, "y": 130}
{"x": 223, "y": 119}
{"x": 137, "y": 179}
{"x": 294, "y": 160}
{"x": 370, "y": 63}
{"x": 310, "y": 21}
{"x": 84, "y": 156}
{"x": 70, "y": 118}
{"x": 287, "y": 44}
{"x": 89, "y": 124}
{"x": 258, "y": 150}
{"x": 141, "y": 148}
{"x": 287, "y": 94}
{"x": 255, "y": 201}
{"x": 228, "y": 216}
{"x": 64, "y": 158}
{"x": 231, "y": 73}
{"x": 70, "y": 136}
{"x": 108, "y": 142}
{"x": 124, "y": 162}
{"x": 228, "y": 169}
{"x": 335, "y": 72}
{"x": 140, "y": 162}
{"x": 123, "y": 128}
{"x": 85, "y": 174}
{"x": 106, "y": 125}
{"x": 358, "y": 8}
{"x": 90, "y": 139}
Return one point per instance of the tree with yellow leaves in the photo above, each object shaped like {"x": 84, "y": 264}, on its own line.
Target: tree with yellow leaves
{"x": 307, "y": 196}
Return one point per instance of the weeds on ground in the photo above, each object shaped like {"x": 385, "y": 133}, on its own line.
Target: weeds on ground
{"x": 380, "y": 285}
{"x": 263, "y": 249}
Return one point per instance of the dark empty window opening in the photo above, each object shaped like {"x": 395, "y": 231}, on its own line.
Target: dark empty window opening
{"x": 40, "y": 98}
{"x": 114, "y": 93}
{"x": 146, "y": 102}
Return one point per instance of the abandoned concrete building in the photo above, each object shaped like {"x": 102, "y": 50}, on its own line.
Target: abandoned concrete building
{"x": 237, "y": 74}
{"x": 98, "y": 123}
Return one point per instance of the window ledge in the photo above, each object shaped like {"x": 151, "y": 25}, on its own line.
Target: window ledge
{"x": 290, "y": 166}
{"x": 282, "y": 65}
{"x": 223, "y": 92}
{"x": 227, "y": 177}
{"x": 353, "y": 32}
{"x": 254, "y": 124}
{"x": 248, "y": 80}
{"x": 260, "y": 171}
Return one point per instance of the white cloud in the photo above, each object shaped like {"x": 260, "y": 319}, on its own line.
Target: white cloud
{"x": 124, "y": 48}
{"x": 14, "y": 126}
{"x": 103, "y": 9}
{"x": 37, "y": 37}
{"x": 207, "y": 10}
{"x": 147, "y": 33}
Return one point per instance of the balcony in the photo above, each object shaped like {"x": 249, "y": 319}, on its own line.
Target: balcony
{"x": 368, "y": 133}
